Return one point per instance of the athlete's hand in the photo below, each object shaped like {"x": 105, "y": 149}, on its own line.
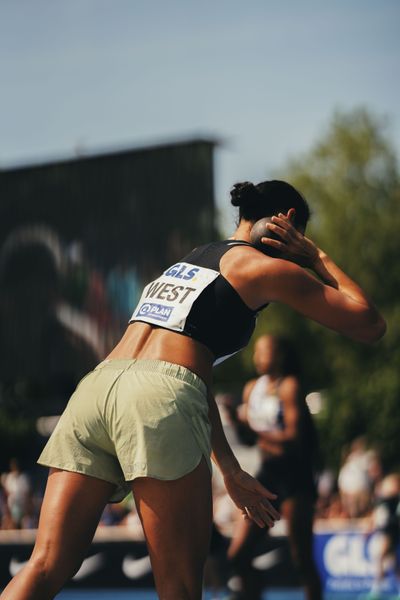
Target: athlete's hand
{"x": 294, "y": 246}
{"x": 251, "y": 498}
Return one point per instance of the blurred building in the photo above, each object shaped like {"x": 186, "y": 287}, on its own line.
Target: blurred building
{"x": 146, "y": 205}
{"x": 78, "y": 238}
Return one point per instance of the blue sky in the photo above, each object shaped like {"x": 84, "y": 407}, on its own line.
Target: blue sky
{"x": 264, "y": 77}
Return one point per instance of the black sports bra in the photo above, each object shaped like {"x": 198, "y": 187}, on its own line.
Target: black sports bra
{"x": 218, "y": 317}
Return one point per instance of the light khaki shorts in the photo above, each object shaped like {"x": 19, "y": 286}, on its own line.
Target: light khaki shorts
{"x": 132, "y": 418}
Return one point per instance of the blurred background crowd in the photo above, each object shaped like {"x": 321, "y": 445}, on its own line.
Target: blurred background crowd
{"x": 351, "y": 493}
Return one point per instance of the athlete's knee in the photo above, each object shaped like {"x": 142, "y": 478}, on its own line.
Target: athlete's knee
{"x": 180, "y": 584}
{"x": 305, "y": 565}
{"x": 38, "y": 565}
{"x": 239, "y": 558}
{"x": 49, "y": 573}
{"x": 178, "y": 593}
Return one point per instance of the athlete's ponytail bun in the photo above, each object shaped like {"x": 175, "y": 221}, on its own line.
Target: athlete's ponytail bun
{"x": 243, "y": 194}
{"x": 269, "y": 198}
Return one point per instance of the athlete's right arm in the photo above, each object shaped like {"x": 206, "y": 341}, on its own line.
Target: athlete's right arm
{"x": 334, "y": 299}
{"x": 246, "y": 492}
{"x": 336, "y": 302}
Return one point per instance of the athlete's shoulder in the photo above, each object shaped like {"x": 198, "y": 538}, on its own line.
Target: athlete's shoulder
{"x": 252, "y": 265}
{"x": 199, "y": 250}
{"x": 210, "y": 254}
{"x": 289, "y": 389}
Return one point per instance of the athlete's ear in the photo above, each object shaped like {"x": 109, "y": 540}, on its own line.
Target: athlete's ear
{"x": 291, "y": 214}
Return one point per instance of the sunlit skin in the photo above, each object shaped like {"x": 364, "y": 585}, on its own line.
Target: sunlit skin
{"x": 176, "y": 515}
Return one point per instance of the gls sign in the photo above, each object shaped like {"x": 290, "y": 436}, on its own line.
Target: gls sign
{"x": 354, "y": 555}
{"x": 348, "y": 561}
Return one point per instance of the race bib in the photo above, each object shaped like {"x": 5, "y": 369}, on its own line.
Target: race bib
{"x": 168, "y": 300}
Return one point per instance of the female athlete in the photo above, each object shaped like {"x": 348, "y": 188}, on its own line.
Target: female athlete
{"x": 145, "y": 419}
{"x": 274, "y": 408}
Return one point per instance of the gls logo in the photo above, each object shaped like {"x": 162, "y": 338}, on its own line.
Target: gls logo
{"x": 352, "y": 555}
{"x": 181, "y": 271}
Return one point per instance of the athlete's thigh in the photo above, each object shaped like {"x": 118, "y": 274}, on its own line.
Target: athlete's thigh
{"x": 71, "y": 509}
{"x": 176, "y": 517}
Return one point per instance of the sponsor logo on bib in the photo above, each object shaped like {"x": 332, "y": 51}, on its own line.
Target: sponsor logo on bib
{"x": 156, "y": 311}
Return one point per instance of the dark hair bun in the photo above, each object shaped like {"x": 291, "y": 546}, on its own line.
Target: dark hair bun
{"x": 244, "y": 193}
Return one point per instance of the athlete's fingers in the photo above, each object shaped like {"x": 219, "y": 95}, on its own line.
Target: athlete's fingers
{"x": 287, "y": 225}
{"x": 282, "y": 222}
{"x": 265, "y": 516}
{"x": 279, "y": 224}
{"x": 271, "y": 510}
{"x": 274, "y": 243}
{"x": 283, "y": 233}
{"x": 290, "y": 214}
{"x": 253, "y": 514}
{"x": 260, "y": 518}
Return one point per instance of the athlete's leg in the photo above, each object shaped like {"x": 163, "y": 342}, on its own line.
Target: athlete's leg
{"x": 240, "y": 555}
{"x": 70, "y": 512}
{"x": 299, "y": 514}
{"x": 176, "y": 517}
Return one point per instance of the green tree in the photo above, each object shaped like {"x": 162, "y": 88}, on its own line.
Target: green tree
{"x": 351, "y": 180}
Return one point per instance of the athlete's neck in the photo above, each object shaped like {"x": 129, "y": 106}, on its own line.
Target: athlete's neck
{"x": 243, "y": 231}
{"x": 273, "y": 376}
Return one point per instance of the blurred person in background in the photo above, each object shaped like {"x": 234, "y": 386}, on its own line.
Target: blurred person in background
{"x": 275, "y": 409}
{"x": 18, "y": 494}
{"x": 5, "y": 518}
{"x": 329, "y": 504}
{"x": 354, "y": 479}
{"x": 146, "y": 419}
{"x": 386, "y": 522}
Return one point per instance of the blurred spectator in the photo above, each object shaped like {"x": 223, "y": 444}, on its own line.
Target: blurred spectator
{"x": 326, "y": 490}
{"x": 5, "y": 516}
{"x": 375, "y": 470}
{"x": 17, "y": 489}
{"x": 386, "y": 521}
{"x": 335, "y": 509}
{"x": 355, "y": 485}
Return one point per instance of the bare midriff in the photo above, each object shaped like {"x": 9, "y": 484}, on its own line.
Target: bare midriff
{"x": 146, "y": 342}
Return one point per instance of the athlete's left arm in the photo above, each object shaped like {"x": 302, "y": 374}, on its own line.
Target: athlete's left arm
{"x": 246, "y": 492}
